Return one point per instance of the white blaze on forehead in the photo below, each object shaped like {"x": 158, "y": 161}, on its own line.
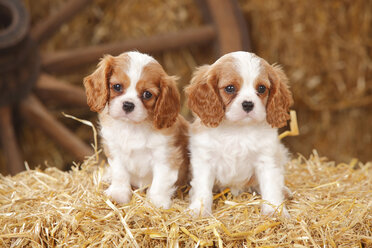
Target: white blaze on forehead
{"x": 134, "y": 68}
{"x": 137, "y": 62}
{"x": 248, "y": 65}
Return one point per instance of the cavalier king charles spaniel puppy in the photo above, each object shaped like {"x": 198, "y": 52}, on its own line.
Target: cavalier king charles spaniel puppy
{"x": 144, "y": 137}
{"x": 240, "y": 101}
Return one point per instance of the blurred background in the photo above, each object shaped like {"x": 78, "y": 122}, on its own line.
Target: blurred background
{"x": 325, "y": 48}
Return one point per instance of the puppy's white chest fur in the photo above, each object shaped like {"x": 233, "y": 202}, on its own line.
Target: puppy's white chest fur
{"x": 134, "y": 145}
{"x": 232, "y": 151}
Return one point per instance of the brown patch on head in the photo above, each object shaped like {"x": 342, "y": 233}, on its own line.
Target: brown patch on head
{"x": 164, "y": 104}
{"x": 203, "y": 97}
{"x": 228, "y": 76}
{"x": 206, "y": 94}
{"x": 150, "y": 81}
{"x": 262, "y": 86}
{"x": 98, "y": 85}
{"x": 119, "y": 77}
{"x": 279, "y": 99}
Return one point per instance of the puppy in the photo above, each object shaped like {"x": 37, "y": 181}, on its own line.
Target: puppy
{"x": 144, "y": 137}
{"x": 239, "y": 101}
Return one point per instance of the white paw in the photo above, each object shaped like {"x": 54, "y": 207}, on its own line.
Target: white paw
{"x": 119, "y": 194}
{"x": 197, "y": 209}
{"x": 236, "y": 191}
{"x": 267, "y": 210}
{"x": 160, "y": 201}
{"x": 107, "y": 175}
{"x": 287, "y": 193}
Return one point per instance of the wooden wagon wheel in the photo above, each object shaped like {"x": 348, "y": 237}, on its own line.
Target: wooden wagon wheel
{"x": 25, "y": 81}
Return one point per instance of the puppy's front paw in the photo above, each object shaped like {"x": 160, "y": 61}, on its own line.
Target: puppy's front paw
{"x": 235, "y": 191}
{"x": 160, "y": 201}
{"x": 119, "y": 194}
{"x": 268, "y": 210}
{"x": 287, "y": 193}
{"x": 197, "y": 209}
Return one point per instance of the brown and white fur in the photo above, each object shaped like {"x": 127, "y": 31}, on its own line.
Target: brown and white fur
{"x": 144, "y": 137}
{"x": 239, "y": 101}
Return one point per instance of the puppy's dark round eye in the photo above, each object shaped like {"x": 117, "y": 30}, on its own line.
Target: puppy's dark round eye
{"x": 261, "y": 89}
{"x": 117, "y": 87}
{"x": 146, "y": 95}
{"x": 230, "y": 89}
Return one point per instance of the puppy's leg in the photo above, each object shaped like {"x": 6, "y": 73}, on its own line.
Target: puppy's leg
{"x": 164, "y": 178}
{"x": 201, "y": 187}
{"x": 120, "y": 189}
{"x": 282, "y": 157}
{"x": 271, "y": 183}
{"x": 163, "y": 185}
{"x": 287, "y": 193}
{"x": 235, "y": 191}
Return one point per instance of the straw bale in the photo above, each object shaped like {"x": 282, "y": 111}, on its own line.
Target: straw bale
{"x": 325, "y": 49}
{"x": 331, "y": 207}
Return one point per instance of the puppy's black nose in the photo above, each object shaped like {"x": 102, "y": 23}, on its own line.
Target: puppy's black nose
{"x": 128, "y": 107}
{"x": 247, "y": 106}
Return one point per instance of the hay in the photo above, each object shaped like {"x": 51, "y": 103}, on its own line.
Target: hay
{"x": 331, "y": 208}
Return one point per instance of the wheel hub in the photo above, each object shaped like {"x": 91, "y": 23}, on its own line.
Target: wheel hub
{"x": 19, "y": 56}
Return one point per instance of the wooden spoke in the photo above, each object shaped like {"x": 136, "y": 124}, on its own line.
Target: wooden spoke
{"x": 36, "y": 114}
{"x": 66, "y": 60}
{"x": 49, "y": 88}
{"x": 46, "y": 28}
{"x": 229, "y": 21}
{"x": 9, "y": 142}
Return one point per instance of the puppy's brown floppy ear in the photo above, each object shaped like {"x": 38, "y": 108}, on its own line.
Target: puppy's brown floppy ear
{"x": 167, "y": 105}
{"x": 97, "y": 84}
{"x": 203, "y": 97}
{"x": 280, "y": 98}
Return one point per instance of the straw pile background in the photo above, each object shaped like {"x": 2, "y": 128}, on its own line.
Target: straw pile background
{"x": 332, "y": 207}
{"x": 325, "y": 48}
